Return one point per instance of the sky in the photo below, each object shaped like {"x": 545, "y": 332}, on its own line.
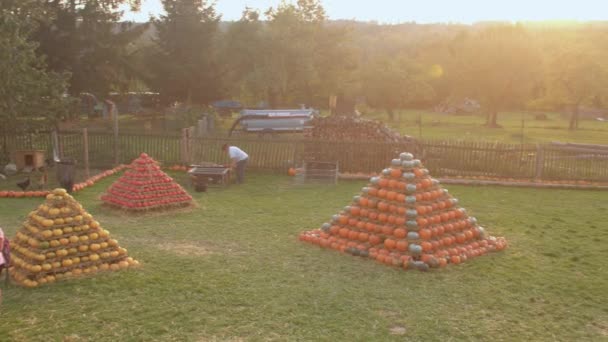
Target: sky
{"x": 420, "y": 11}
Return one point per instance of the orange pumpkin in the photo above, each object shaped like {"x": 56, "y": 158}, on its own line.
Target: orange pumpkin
{"x": 390, "y": 244}
{"x": 400, "y": 233}
{"x": 363, "y": 201}
{"x": 363, "y": 237}
{"x": 374, "y": 240}
{"x": 344, "y": 232}
{"x": 425, "y": 234}
{"x": 401, "y": 245}
{"x": 387, "y": 230}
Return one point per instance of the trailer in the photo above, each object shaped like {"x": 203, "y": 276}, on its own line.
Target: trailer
{"x": 274, "y": 121}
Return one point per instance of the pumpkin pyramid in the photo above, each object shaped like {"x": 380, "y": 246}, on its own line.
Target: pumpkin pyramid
{"x": 405, "y": 218}
{"x": 61, "y": 240}
{"x": 144, "y": 186}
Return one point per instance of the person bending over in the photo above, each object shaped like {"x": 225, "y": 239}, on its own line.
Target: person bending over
{"x": 238, "y": 160}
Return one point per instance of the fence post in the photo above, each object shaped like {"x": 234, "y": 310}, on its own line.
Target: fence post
{"x": 540, "y": 161}
{"x": 57, "y": 147}
{"x": 115, "y": 139}
{"x": 85, "y": 146}
{"x": 191, "y": 136}
{"x": 186, "y": 145}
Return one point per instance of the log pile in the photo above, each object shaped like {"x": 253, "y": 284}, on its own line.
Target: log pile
{"x": 349, "y": 128}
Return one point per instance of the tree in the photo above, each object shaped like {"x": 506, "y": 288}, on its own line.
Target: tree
{"x": 395, "y": 83}
{"x": 291, "y": 40}
{"x": 293, "y": 57}
{"x": 496, "y": 66}
{"x": 85, "y": 38}
{"x": 30, "y": 97}
{"x": 577, "y": 77}
{"x": 243, "y": 54}
{"x": 183, "y": 62}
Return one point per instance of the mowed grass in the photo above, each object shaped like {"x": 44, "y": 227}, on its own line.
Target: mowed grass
{"x": 233, "y": 269}
{"x": 470, "y": 127}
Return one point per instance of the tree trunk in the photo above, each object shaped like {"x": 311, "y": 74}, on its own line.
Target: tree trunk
{"x": 189, "y": 97}
{"x": 491, "y": 119}
{"x": 574, "y": 118}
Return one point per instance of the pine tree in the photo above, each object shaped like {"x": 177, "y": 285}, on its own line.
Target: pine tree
{"x": 85, "y": 38}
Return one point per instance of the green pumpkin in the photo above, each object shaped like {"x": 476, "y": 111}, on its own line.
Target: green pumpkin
{"x": 421, "y": 266}
{"x": 408, "y": 164}
{"x": 410, "y": 188}
{"x": 408, "y": 176}
{"x": 406, "y": 156}
{"x": 415, "y": 249}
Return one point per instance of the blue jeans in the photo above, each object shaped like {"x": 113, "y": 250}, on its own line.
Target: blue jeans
{"x": 240, "y": 170}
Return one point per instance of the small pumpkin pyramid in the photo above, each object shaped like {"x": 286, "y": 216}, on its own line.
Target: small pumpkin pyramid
{"x": 144, "y": 186}
{"x": 405, "y": 218}
{"x": 61, "y": 240}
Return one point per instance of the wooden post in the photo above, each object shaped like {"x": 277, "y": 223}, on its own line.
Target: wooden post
{"x": 540, "y": 161}
{"x": 85, "y": 146}
{"x": 184, "y": 146}
{"x": 191, "y": 134}
{"x": 57, "y": 149}
{"x": 115, "y": 139}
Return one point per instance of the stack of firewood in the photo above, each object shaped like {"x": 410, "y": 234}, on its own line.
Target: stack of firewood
{"x": 349, "y": 128}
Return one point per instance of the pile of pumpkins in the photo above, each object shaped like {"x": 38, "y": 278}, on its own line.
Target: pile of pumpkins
{"x": 77, "y": 187}
{"x": 404, "y": 218}
{"x": 144, "y": 186}
{"x": 61, "y": 240}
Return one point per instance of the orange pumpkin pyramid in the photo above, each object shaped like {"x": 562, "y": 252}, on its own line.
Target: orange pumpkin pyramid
{"x": 61, "y": 240}
{"x": 405, "y": 218}
{"x": 144, "y": 186}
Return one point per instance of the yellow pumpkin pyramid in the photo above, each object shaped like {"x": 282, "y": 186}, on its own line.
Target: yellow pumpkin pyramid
{"x": 61, "y": 240}
{"x": 406, "y": 218}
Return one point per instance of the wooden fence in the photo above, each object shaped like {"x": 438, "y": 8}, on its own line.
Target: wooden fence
{"x": 443, "y": 158}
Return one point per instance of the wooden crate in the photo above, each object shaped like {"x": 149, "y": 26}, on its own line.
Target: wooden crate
{"x": 315, "y": 171}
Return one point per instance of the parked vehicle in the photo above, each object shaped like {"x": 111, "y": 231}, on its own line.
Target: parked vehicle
{"x": 273, "y": 121}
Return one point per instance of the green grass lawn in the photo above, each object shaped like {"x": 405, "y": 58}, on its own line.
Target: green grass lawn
{"x": 470, "y": 127}
{"x": 233, "y": 269}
